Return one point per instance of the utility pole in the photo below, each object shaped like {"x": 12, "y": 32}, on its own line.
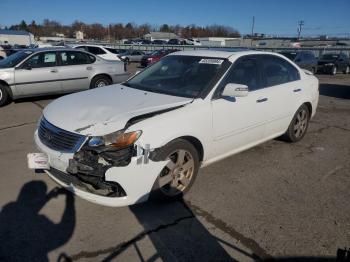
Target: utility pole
{"x": 109, "y": 33}
{"x": 252, "y": 33}
{"x": 300, "y": 26}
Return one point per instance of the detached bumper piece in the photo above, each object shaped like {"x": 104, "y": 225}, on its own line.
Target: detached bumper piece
{"x": 101, "y": 188}
{"x": 88, "y": 167}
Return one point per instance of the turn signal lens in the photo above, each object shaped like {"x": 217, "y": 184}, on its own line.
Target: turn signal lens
{"x": 126, "y": 139}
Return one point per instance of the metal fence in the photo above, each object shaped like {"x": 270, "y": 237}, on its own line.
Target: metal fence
{"x": 318, "y": 51}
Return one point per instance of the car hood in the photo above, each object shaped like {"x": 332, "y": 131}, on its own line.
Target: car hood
{"x": 107, "y": 109}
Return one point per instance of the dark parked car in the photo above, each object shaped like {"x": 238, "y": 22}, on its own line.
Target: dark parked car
{"x": 332, "y": 63}
{"x": 176, "y": 42}
{"x": 159, "y": 42}
{"x": 155, "y": 56}
{"x": 6, "y": 50}
{"x": 304, "y": 59}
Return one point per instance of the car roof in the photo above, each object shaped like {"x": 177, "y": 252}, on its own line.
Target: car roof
{"x": 220, "y": 54}
{"x": 40, "y": 49}
{"x": 101, "y": 46}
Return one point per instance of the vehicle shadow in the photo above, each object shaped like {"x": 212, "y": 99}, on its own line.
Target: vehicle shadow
{"x": 337, "y": 91}
{"x": 26, "y": 235}
{"x": 305, "y": 259}
{"x": 177, "y": 235}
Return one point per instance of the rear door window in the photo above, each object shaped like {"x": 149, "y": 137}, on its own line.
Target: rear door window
{"x": 277, "y": 71}
{"x": 75, "y": 58}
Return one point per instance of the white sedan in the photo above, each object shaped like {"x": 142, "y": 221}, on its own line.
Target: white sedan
{"x": 107, "y": 53}
{"x": 148, "y": 137}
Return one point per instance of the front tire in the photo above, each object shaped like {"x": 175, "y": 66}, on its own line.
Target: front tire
{"x": 100, "y": 81}
{"x": 5, "y": 97}
{"x": 178, "y": 176}
{"x": 347, "y": 70}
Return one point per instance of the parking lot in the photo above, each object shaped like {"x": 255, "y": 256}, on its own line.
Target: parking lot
{"x": 274, "y": 200}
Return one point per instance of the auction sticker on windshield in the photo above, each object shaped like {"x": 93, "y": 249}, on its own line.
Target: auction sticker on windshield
{"x": 211, "y": 61}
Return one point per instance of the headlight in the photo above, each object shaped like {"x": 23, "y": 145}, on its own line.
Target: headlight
{"x": 117, "y": 139}
{"x": 329, "y": 64}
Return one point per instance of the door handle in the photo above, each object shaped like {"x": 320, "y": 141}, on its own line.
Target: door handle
{"x": 54, "y": 70}
{"x": 89, "y": 68}
{"x": 297, "y": 90}
{"x": 261, "y": 100}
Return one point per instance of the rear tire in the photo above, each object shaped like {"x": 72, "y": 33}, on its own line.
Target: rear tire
{"x": 176, "y": 178}
{"x": 347, "y": 70}
{"x": 298, "y": 126}
{"x": 5, "y": 97}
{"x": 100, "y": 81}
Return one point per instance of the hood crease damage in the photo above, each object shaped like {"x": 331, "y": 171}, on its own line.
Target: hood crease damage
{"x": 108, "y": 109}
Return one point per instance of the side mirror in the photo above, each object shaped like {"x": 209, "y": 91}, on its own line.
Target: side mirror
{"x": 235, "y": 90}
{"x": 27, "y": 67}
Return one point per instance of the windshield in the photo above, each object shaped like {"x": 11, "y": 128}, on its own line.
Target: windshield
{"x": 330, "y": 56}
{"x": 14, "y": 59}
{"x": 185, "y": 76}
{"x": 290, "y": 55}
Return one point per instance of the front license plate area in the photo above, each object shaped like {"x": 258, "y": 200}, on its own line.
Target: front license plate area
{"x": 38, "y": 161}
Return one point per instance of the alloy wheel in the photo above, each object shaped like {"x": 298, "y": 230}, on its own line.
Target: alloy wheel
{"x": 178, "y": 173}
{"x": 300, "y": 123}
{"x": 100, "y": 83}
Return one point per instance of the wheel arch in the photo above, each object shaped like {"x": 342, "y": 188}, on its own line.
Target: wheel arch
{"x": 309, "y": 107}
{"x": 196, "y": 143}
{"x": 5, "y": 84}
{"x": 103, "y": 74}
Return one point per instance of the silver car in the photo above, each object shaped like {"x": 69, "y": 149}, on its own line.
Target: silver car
{"x": 46, "y": 71}
{"x": 132, "y": 56}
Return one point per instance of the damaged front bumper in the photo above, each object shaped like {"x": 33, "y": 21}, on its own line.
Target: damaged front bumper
{"x": 101, "y": 182}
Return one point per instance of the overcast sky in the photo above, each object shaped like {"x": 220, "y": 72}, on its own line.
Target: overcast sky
{"x": 271, "y": 16}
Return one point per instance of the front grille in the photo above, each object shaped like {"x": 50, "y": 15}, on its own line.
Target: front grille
{"x": 59, "y": 139}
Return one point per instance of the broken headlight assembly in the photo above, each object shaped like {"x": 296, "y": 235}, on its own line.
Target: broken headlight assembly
{"x": 100, "y": 153}
{"x": 115, "y": 140}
